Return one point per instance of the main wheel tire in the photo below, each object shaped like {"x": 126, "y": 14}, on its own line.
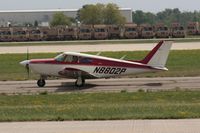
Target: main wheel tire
{"x": 80, "y": 82}
{"x": 41, "y": 83}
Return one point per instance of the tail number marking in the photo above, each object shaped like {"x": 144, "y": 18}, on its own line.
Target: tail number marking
{"x": 109, "y": 70}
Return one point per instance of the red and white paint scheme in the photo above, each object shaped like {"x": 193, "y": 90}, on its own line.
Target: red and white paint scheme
{"x": 84, "y": 66}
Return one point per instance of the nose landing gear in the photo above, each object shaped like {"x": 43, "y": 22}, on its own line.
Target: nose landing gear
{"x": 41, "y": 82}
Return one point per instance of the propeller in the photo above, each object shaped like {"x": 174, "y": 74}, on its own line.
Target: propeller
{"x": 27, "y": 65}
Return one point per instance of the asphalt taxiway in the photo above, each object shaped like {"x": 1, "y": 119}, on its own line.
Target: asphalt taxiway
{"x": 103, "y": 85}
{"x": 118, "y": 126}
{"x": 93, "y": 48}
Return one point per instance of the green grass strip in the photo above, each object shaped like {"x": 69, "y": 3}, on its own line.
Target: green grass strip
{"x": 100, "y": 106}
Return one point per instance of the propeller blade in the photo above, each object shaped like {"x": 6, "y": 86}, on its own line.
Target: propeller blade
{"x": 27, "y": 65}
{"x": 28, "y": 70}
{"x": 27, "y": 54}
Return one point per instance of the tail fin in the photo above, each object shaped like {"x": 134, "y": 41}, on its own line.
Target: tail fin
{"x": 158, "y": 56}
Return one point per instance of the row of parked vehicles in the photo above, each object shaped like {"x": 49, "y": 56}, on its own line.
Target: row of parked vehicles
{"x": 89, "y": 32}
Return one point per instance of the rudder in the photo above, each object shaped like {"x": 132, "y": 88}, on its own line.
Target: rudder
{"x": 158, "y": 56}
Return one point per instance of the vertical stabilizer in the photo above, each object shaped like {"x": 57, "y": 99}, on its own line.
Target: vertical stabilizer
{"x": 158, "y": 56}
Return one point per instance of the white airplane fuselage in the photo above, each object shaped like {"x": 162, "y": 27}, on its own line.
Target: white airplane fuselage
{"x": 97, "y": 71}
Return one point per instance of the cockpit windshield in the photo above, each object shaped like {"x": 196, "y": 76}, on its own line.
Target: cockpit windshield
{"x": 60, "y": 57}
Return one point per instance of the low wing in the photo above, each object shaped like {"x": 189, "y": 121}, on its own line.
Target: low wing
{"x": 75, "y": 73}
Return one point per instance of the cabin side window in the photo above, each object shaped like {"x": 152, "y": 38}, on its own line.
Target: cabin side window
{"x": 71, "y": 59}
{"x": 86, "y": 60}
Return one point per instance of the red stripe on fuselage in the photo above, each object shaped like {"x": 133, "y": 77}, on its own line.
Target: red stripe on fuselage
{"x": 95, "y": 62}
{"x": 42, "y": 61}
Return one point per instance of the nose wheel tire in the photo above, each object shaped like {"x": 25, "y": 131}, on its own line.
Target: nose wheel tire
{"x": 41, "y": 83}
{"x": 80, "y": 82}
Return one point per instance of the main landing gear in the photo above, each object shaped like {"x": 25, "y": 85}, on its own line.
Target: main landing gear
{"x": 80, "y": 82}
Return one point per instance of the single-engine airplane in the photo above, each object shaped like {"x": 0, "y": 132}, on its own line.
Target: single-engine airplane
{"x": 81, "y": 66}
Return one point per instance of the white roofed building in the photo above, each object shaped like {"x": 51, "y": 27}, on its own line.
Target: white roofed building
{"x": 22, "y": 17}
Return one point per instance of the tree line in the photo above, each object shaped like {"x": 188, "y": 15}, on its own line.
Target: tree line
{"x": 92, "y": 14}
{"x": 167, "y": 17}
{"x": 110, "y": 14}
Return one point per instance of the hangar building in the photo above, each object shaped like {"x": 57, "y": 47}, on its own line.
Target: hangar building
{"x": 43, "y": 17}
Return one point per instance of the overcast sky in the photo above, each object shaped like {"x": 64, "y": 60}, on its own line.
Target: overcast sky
{"x": 145, "y": 5}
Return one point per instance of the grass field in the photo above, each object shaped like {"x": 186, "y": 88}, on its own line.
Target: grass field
{"x": 94, "y": 42}
{"x": 180, "y": 63}
{"x": 100, "y": 106}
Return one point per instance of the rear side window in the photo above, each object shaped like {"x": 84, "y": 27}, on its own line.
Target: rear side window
{"x": 86, "y": 60}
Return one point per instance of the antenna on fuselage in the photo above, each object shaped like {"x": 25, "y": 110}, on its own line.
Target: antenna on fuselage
{"x": 98, "y": 53}
{"x": 123, "y": 57}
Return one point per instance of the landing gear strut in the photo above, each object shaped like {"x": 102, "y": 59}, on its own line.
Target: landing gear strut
{"x": 41, "y": 82}
{"x": 80, "y": 82}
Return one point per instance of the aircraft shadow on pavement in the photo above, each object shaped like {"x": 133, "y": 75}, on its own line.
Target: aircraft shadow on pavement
{"x": 69, "y": 86}
{"x": 153, "y": 84}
